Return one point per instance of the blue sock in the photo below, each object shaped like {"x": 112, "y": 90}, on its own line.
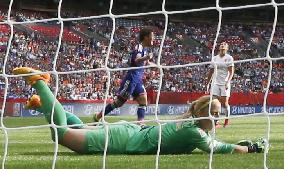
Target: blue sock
{"x": 141, "y": 112}
{"x": 109, "y": 108}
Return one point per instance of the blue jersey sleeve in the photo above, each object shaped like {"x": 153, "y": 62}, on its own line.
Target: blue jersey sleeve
{"x": 138, "y": 50}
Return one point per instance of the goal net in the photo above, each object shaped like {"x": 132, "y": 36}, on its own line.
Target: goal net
{"x": 87, "y": 55}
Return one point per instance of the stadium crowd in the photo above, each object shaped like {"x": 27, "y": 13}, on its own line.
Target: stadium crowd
{"x": 184, "y": 43}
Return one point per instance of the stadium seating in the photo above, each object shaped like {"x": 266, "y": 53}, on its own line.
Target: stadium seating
{"x": 184, "y": 43}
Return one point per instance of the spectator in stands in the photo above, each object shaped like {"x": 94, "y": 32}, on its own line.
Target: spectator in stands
{"x": 38, "y": 50}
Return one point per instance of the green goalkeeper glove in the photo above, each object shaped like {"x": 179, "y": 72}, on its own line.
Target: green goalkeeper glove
{"x": 256, "y": 147}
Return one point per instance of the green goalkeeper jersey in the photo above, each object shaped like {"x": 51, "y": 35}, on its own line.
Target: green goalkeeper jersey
{"x": 177, "y": 138}
{"x": 118, "y": 137}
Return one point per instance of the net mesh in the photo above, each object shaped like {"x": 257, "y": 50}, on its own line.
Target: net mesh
{"x": 109, "y": 70}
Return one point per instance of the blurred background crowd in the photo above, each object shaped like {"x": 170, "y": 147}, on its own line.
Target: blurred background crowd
{"x": 85, "y": 46}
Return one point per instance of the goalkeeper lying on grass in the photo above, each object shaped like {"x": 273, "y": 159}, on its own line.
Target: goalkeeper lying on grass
{"x": 177, "y": 137}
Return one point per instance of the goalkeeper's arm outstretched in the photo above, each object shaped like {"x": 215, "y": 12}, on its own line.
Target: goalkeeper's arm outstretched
{"x": 182, "y": 137}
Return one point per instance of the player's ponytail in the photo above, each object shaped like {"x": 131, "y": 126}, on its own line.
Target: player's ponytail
{"x": 190, "y": 111}
{"x": 197, "y": 106}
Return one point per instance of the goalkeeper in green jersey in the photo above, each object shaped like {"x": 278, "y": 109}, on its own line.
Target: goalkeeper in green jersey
{"x": 128, "y": 138}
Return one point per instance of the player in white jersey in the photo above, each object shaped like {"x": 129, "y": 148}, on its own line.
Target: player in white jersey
{"x": 224, "y": 73}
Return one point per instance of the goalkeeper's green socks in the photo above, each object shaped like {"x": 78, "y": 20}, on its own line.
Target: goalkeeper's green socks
{"x": 47, "y": 100}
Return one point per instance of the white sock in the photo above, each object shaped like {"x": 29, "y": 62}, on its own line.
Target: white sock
{"x": 228, "y": 109}
{"x": 225, "y": 111}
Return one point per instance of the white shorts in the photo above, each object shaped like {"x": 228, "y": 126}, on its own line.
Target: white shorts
{"x": 219, "y": 90}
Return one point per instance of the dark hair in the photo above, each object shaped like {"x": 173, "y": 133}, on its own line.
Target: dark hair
{"x": 144, "y": 32}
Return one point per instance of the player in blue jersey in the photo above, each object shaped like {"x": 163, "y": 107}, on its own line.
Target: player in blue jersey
{"x": 132, "y": 84}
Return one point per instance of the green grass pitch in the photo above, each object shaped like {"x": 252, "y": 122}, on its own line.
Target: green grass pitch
{"x": 33, "y": 149}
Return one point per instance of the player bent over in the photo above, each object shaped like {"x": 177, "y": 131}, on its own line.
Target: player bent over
{"x": 128, "y": 138}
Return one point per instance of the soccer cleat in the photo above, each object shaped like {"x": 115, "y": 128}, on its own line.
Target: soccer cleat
{"x": 23, "y": 70}
{"x": 226, "y": 123}
{"x": 33, "y": 102}
{"x": 96, "y": 118}
{"x": 32, "y": 78}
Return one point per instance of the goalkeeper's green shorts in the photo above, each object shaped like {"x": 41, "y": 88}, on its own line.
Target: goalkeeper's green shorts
{"x": 94, "y": 142}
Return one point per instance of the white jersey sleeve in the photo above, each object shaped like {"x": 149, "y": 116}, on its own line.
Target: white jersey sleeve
{"x": 230, "y": 60}
{"x": 223, "y": 63}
